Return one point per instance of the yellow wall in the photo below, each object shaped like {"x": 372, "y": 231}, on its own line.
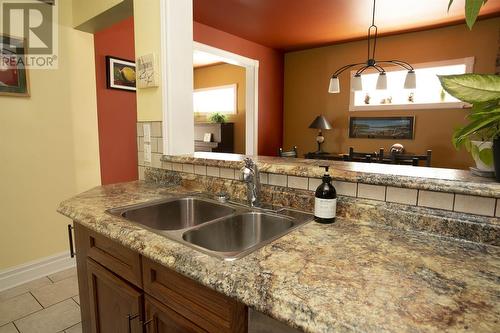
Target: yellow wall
{"x": 306, "y": 82}
{"x": 48, "y": 148}
{"x": 224, "y": 74}
{"x": 147, "y": 40}
{"x": 85, "y": 10}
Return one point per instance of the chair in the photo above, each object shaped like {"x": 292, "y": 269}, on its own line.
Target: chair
{"x": 290, "y": 153}
{"x": 364, "y": 157}
{"x": 410, "y": 159}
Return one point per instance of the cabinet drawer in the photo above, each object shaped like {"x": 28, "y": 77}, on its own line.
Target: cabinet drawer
{"x": 204, "y": 307}
{"x": 115, "y": 257}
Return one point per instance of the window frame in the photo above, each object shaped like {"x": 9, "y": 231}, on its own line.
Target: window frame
{"x": 469, "y": 68}
{"x": 234, "y": 87}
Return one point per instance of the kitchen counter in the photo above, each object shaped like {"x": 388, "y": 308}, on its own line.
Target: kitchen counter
{"x": 349, "y": 276}
{"x": 407, "y": 176}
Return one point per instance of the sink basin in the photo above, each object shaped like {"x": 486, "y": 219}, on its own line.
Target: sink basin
{"x": 238, "y": 232}
{"x": 175, "y": 214}
{"x": 224, "y": 230}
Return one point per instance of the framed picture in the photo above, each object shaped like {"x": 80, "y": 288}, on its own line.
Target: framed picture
{"x": 207, "y": 137}
{"x": 381, "y": 127}
{"x": 120, "y": 74}
{"x": 13, "y": 73}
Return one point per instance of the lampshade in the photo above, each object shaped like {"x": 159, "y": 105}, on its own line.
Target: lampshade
{"x": 334, "y": 86}
{"x": 411, "y": 80}
{"x": 356, "y": 83}
{"x": 321, "y": 123}
{"x": 382, "y": 81}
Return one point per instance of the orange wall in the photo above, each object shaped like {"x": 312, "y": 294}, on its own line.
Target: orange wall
{"x": 116, "y": 109}
{"x": 220, "y": 75}
{"x": 307, "y": 74}
{"x": 270, "y": 81}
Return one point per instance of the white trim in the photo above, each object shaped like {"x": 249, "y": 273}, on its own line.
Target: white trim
{"x": 251, "y": 93}
{"x": 469, "y": 68}
{"x": 14, "y": 276}
{"x": 176, "y": 34}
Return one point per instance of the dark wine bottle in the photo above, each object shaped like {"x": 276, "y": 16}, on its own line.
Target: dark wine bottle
{"x": 325, "y": 201}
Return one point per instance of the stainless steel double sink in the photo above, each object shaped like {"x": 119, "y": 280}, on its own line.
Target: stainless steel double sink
{"x": 224, "y": 230}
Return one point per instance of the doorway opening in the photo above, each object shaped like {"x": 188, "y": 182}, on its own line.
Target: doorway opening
{"x": 225, "y": 95}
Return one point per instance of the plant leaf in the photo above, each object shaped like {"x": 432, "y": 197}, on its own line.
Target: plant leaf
{"x": 478, "y": 124}
{"x": 472, "y": 8}
{"x": 475, "y": 151}
{"x": 449, "y": 4}
{"x": 486, "y": 156}
{"x": 472, "y": 88}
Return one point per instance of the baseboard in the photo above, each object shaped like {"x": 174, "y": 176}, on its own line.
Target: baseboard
{"x": 14, "y": 276}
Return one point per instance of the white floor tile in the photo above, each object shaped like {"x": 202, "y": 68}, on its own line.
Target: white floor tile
{"x": 17, "y": 307}
{"x": 67, "y": 273}
{"x": 9, "y": 328}
{"x": 52, "y": 319}
{"x": 75, "y": 329}
{"x": 24, "y": 288}
{"x": 57, "y": 292}
{"x": 77, "y": 299}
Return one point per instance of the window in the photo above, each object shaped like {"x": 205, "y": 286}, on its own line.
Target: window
{"x": 428, "y": 94}
{"x": 215, "y": 99}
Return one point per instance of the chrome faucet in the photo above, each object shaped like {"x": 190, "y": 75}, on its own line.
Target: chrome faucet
{"x": 250, "y": 175}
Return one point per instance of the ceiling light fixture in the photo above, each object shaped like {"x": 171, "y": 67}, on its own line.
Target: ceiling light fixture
{"x": 356, "y": 83}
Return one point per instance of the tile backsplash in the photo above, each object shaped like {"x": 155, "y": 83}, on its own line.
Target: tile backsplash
{"x": 156, "y": 146}
{"x": 469, "y": 204}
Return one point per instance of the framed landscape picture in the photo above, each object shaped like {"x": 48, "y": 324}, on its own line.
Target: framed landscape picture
{"x": 381, "y": 127}
{"x": 13, "y": 73}
{"x": 120, "y": 74}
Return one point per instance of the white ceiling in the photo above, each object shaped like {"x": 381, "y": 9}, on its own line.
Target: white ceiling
{"x": 201, "y": 59}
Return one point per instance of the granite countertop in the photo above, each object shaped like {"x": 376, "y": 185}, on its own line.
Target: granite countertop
{"x": 344, "y": 277}
{"x": 424, "y": 178}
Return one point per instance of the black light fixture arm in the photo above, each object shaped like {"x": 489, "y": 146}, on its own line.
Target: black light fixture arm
{"x": 400, "y": 63}
{"x": 372, "y": 35}
{"x": 341, "y": 69}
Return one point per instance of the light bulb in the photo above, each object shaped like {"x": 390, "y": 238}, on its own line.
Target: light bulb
{"x": 382, "y": 81}
{"x": 411, "y": 80}
{"x": 334, "y": 86}
{"x": 356, "y": 83}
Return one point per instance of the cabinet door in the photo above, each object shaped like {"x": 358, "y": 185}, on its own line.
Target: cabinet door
{"x": 161, "y": 319}
{"x": 115, "y": 305}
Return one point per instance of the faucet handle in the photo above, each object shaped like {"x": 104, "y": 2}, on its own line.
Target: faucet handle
{"x": 249, "y": 163}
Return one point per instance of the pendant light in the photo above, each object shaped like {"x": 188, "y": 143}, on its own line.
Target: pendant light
{"x": 356, "y": 82}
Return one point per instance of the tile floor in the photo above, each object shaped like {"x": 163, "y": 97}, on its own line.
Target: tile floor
{"x": 46, "y": 305}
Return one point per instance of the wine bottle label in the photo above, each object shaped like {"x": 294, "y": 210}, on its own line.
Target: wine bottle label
{"x": 325, "y": 208}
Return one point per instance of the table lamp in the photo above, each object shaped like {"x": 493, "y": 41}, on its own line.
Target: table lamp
{"x": 321, "y": 123}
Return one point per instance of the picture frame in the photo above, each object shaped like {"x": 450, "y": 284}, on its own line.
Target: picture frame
{"x": 14, "y": 78}
{"x": 207, "y": 137}
{"x": 120, "y": 74}
{"x": 382, "y": 127}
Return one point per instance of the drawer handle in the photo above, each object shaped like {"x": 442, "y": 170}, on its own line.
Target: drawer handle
{"x": 130, "y": 318}
{"x": 146, "y": 323}
{"x": 72, "y": 252}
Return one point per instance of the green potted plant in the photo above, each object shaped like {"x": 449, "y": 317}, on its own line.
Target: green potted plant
{"x": 217, "y": 117}
{"x": 483, "y": 92}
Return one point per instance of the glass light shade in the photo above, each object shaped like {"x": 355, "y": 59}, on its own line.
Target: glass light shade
{"x": 334, "y": 86}
{"x": 356, "y": 83}
{"x": 382, "y": 81}
{"x": 410, "y": 80}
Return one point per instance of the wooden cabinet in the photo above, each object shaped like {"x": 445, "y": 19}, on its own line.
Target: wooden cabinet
{"x": 111, "y": 279}
{"x": 115, "y": 305}
{"x": 162, "y": 319}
